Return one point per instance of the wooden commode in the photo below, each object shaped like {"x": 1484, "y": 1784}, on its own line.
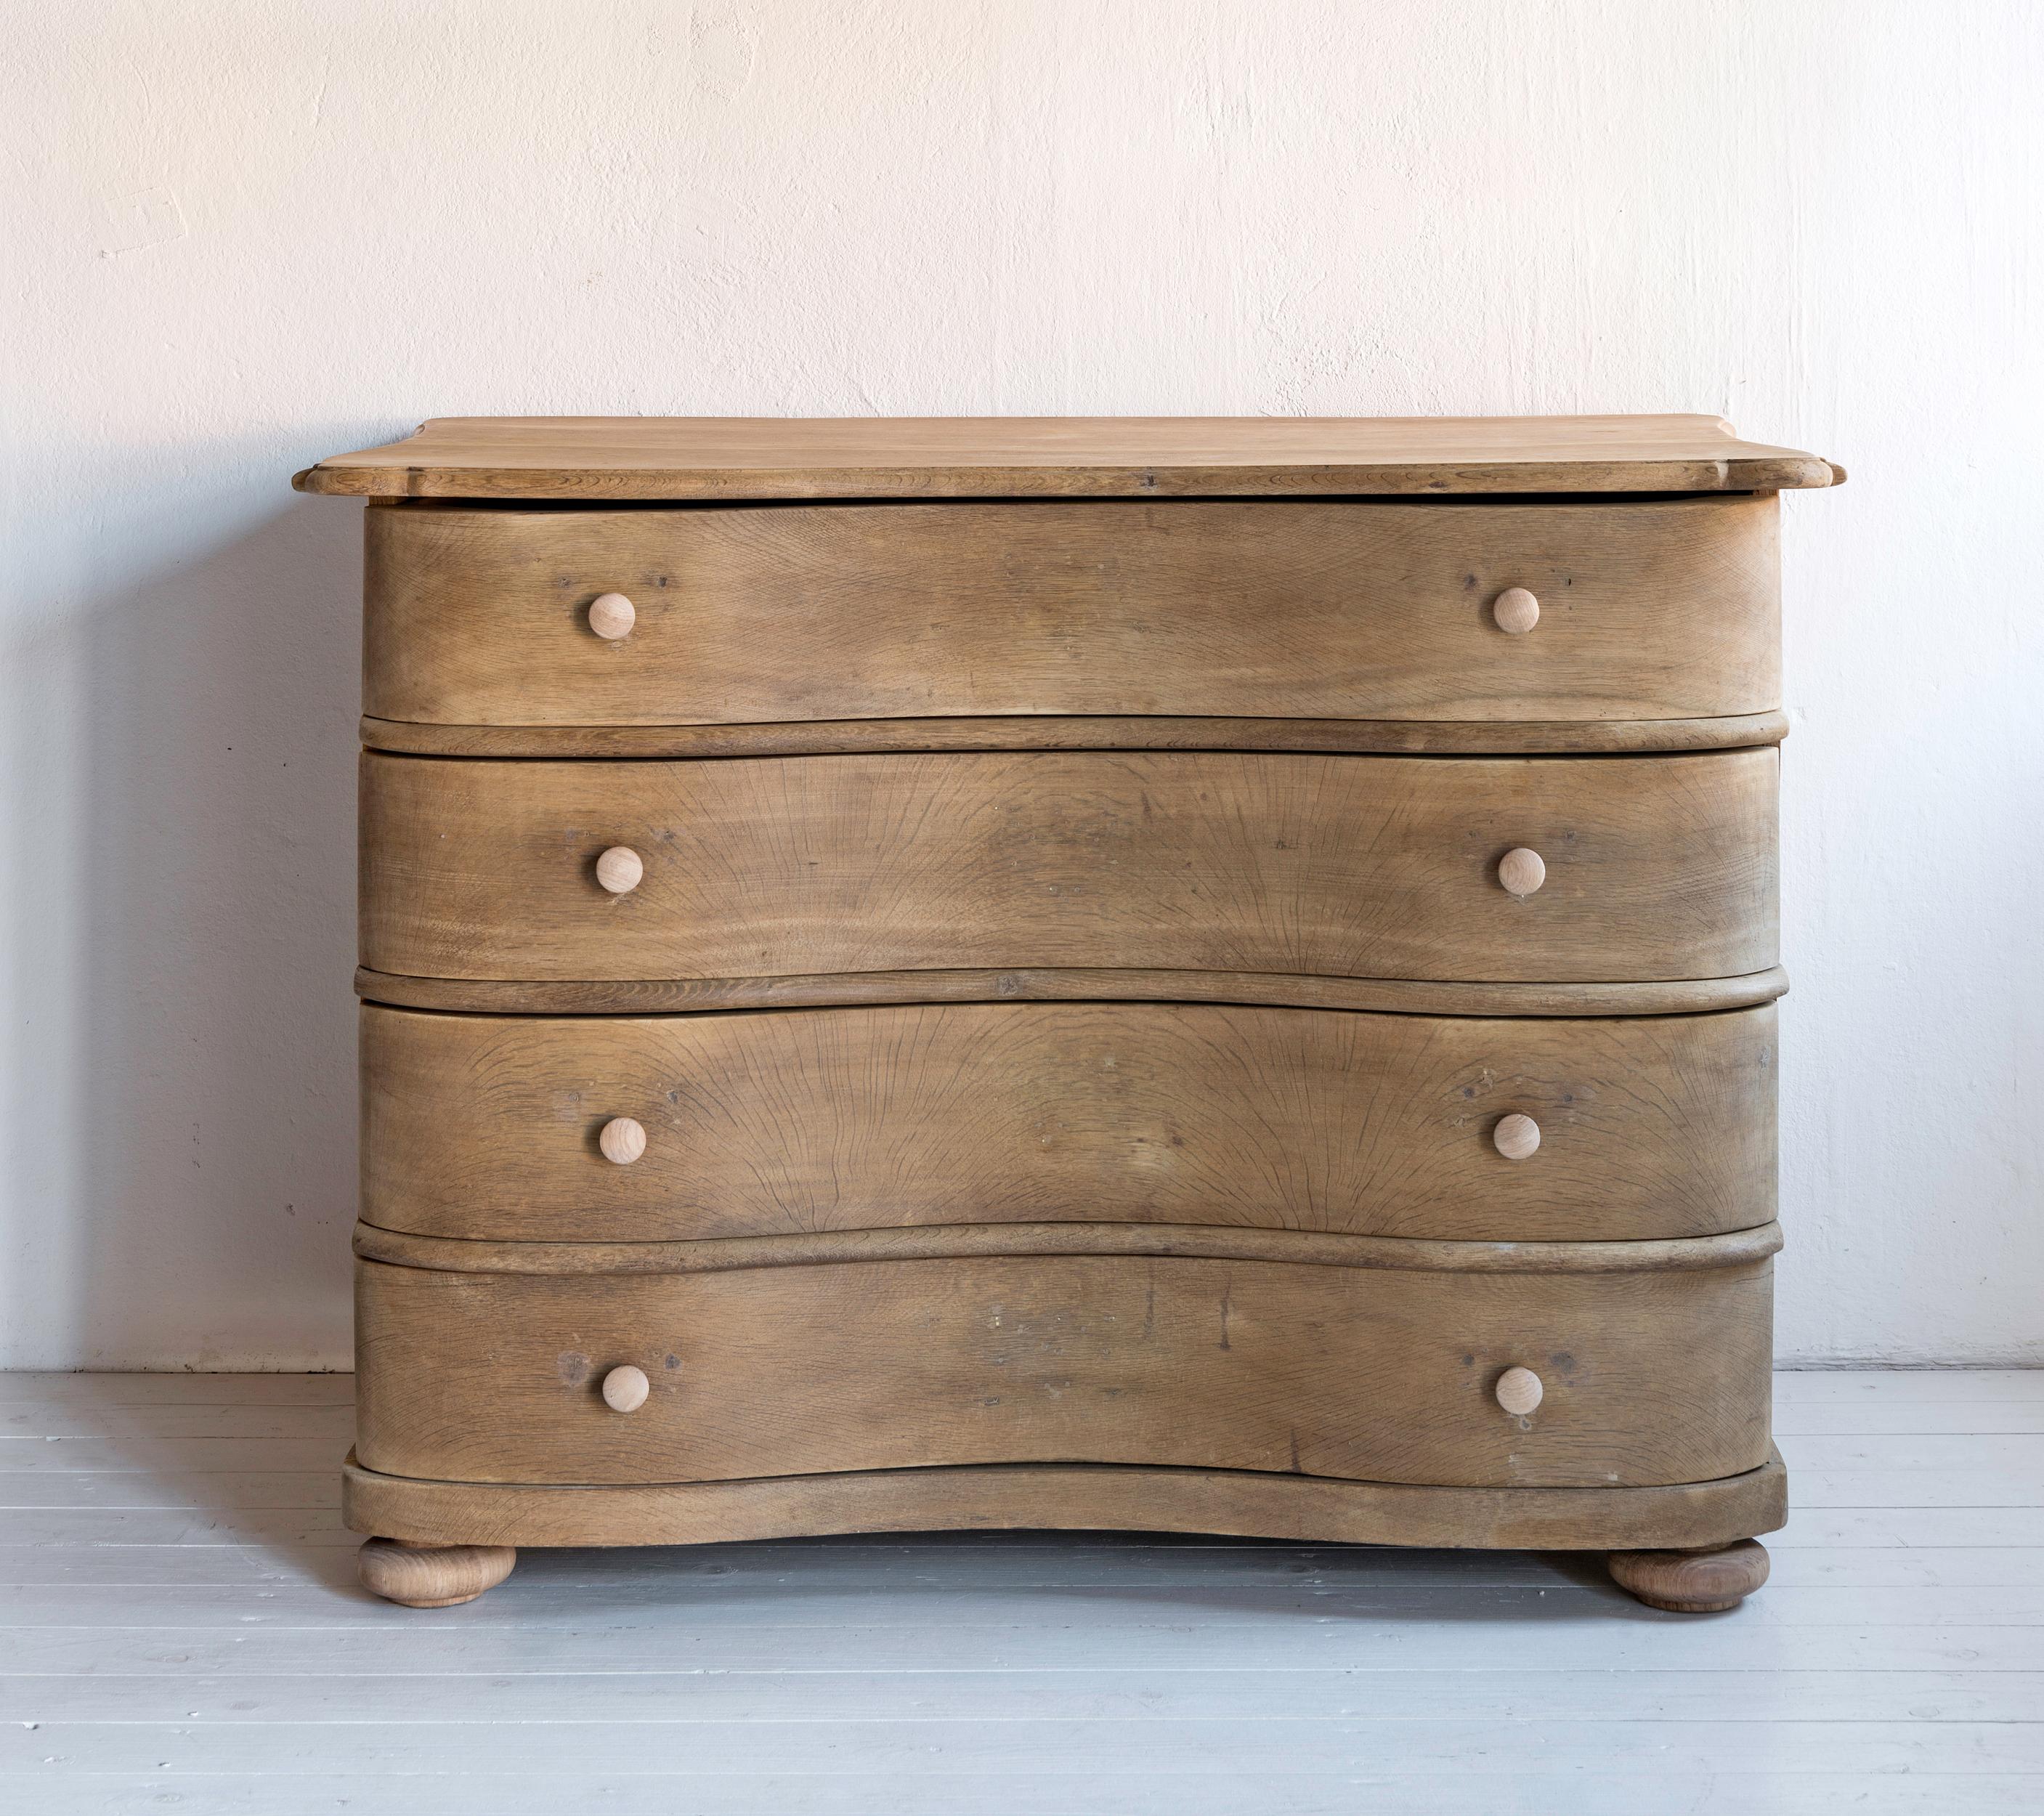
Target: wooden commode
{"x": 1184, "y": 975}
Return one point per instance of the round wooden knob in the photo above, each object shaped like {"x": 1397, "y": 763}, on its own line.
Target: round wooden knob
{"x": 1518, "y": 1391}
{"x": 1515, "y": 610}
{"x": 1519, "y": 871}
{"x": 612, "y": 616}
{"x": 621, "y": 870}
{"x": 1517, "y": 1137}
{"x": 625, "y": 1388}
{"x": 622, "y": 1140}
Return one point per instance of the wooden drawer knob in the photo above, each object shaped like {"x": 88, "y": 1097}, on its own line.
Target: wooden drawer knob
{"x": 1516, "y": 1137}
{"x": 1515, "y": 610}
{"x": 1518, "y": 1391}
{"x": 621, "y": 870}
{"x": 625, "y": 1388}
{"x": 612, "y": 616}
{"x": 622, "y": 1140}
{"x": 1519, "y": 871}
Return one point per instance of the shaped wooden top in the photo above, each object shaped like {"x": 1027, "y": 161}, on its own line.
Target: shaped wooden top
{"x": 599, "y": 458}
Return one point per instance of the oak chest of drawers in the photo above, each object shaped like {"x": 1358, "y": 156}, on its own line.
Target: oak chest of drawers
{"x": 1178, "y": 974}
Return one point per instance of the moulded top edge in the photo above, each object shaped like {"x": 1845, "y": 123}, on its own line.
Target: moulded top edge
{"x": 681, "y": 458}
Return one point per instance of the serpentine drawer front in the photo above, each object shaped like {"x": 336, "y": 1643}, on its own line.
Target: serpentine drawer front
{"x": 1214, "y": 976}
{"x": 1634, "y": 868}
{"x": 626, "y": 1129}
{"x": 1318, "y": 610}
{"x": 1644, "y": 1378}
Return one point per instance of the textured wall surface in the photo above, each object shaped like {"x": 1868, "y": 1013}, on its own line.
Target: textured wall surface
{"x": 254, "y": 232}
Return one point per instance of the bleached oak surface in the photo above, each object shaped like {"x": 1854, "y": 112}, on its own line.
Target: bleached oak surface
{"x": 589, "y": 457}
{"x": 184, "y": 1631}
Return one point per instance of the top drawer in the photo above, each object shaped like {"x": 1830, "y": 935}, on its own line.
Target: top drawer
{"x": 1265, "y": 608}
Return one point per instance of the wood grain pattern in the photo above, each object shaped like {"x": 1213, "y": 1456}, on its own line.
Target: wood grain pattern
{"x": 1341, "y": 866}
{"x": 1105, "y": 732}
{"x": 722, "y": 1254}
{"x": 754, "y": 1125}
{"x": 1392, "y": 996}
{"x": 1353, "y": 1372}
{"x": 731, "y": 457}
{"x": 1270, "y": 609}
{"x": 1070, "y": 1496}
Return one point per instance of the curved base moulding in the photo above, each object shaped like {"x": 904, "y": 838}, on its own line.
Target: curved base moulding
{"x": 422, "y": 1576}
{"x": 1652, "y": 1523}
{"x": 1692, "y": 1582}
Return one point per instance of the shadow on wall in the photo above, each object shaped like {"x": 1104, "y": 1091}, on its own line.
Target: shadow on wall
{"x": 179, "y": 1181}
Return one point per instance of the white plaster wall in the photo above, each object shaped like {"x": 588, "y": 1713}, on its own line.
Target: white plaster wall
{"x": 245, "y": 233}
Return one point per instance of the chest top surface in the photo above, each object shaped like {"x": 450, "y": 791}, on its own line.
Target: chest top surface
{"x": 680, "y": 458}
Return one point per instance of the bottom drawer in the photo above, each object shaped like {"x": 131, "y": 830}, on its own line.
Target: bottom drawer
{"x": 1381, "y": 1373}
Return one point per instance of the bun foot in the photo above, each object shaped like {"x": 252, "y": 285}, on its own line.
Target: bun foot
{"x": 1692, "y": 1582}
{"x": 432, "y": 1576}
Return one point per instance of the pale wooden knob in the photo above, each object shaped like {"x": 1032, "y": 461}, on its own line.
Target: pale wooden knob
{"x": 622, "y": 1140}
{"x": 625, "y": 1388}
{"x": 1515, "y": 610}
{"x": 1516, "y": 1137}
{"x": 1519, "y": 871}
{"x": 1518, "y": 1391}
{"x": 612, "y": 616}
{"x": 621, "y": 870}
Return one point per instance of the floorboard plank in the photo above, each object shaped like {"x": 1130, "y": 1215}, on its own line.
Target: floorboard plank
{"x": 1954, "y": 1386}
{"x": 194, "y": 1491}
{"x": 331, "y": 1424}
{"x": 288, "y": 1527}
{"x": 1834, "y": 1528}
{"x": 1366, "y": 1785}
{"x": 1904, "y": 1419}
{"x": 1302, "y": 1745}
{"x": 471, "y": 1642}
{"x": 678, "y": 1698}
{"x": 2021, "y": 1454}
{"x": 708, "y": 1604}
{"x": 31, "y": 1387}
{"x": 98, "y": 1454}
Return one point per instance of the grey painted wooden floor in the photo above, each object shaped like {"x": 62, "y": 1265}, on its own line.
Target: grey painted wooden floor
{"x": 184, "y": 1633}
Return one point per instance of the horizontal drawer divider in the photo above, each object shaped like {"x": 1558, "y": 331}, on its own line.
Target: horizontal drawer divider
{"x": 1389, "y": 996}
{"x": 872, "y": 989}
{"x": 1309, "y": 1248}
{"x": 1420, "y": 737}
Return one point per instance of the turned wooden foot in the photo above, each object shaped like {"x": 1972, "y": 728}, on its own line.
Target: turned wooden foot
{"x": 432, "y": 1576}
{"x": 1692, "y": 1582}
